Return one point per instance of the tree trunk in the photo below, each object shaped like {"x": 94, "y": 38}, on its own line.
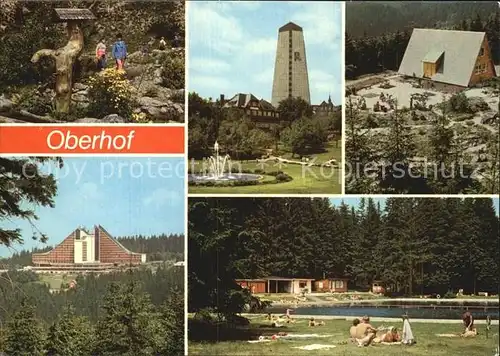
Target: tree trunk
{"x": 64, "y": 58}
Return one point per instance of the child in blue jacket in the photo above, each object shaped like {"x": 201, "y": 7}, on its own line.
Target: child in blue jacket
{"x": 119, "y": 52}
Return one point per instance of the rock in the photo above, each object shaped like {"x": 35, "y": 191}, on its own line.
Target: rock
{"x": 80, "y": 97}
{"x": 113, "y": 119}
{"x": 135, "y": 71}
{"x": 80, "y": 86}
{"x": 136, "y": 57}
{"x": 87, "y": 120}
{"x": 5, "y": 104}
{"x": 146, "y": 101}
{"x": 154, "y": 112}
{"x": 158, "y": 76}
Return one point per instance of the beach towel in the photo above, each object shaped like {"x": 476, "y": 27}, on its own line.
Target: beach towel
{"x": 315, "y": 347}
{"x": 391, "y": 343}
{"x": 260, "y": 340}
{"x": 408, "y": 338}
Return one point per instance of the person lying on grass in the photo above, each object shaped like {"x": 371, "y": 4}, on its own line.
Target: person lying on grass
{"x": 312, "y": 322}
{"x": 389, "y": 337}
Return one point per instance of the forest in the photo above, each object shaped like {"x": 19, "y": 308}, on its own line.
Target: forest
{"x": 413, "y": 245}
{"x": 299, "y": 133}
{"x": 375, "y": 45}
{"x": 156, "y": 247}
{"x": 127, "y": 313}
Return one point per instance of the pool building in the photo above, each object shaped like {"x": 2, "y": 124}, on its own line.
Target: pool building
{"x": 293, "y": 285}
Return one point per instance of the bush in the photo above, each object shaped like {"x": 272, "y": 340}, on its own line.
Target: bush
{"x": 283, "y": 177}
{"x": 33, "y": 101}
{"x": 173, "y": 72}
{"x": 110, "y": 93}
{"x": 460, "y": 103}
{"x": 178, "y": 97}
{"x": 449, "y": 295}
{"x": 77, "y": 112}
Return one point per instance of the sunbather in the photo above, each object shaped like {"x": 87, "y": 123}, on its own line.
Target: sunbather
{"x": 312, "y": 322}
{"x": 365, "y": 333}
{"x": 352, "y": 330}
{"x": 469, "y": 333}
{"x": 392, "y": 335}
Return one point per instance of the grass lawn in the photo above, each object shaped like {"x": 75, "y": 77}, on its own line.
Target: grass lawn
{"x": 311, "y": 180}
{"x": 428, "y": 343}
{"x": 55, "y": 280}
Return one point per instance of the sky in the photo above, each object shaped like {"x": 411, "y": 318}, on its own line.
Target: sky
{"x": 232, "y": 46}
{"x": 355, "y": 202}
{"x": 127, "y": 196}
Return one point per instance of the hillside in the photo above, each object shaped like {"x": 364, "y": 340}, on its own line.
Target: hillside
{"x": 398, "y": 16}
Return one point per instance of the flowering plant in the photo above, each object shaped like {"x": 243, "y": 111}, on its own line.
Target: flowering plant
{"x": 110, "y": 92}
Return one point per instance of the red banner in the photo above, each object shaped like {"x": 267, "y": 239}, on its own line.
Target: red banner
{"x": 77, "y": 139}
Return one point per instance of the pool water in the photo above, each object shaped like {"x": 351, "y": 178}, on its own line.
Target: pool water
{"x": 430, "y": 312}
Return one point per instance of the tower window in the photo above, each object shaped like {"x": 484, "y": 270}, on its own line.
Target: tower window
{"x": 481, "y": 51}
{"x": 297, "y": 56}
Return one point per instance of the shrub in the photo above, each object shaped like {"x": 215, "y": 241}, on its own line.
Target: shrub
{"x": 459, "y": 103}
{"x": 77, "y": 112}
{"x": 140, "y": 118}
{"x": 152, "y": 92}
{"x": 173, "y": 72}
{"x": 178, "y": 97}
{"x": 449, "y": 295}
{"x": 110, "y": 93}
{"x": 283, "y": 177}
{"x": 33, "y": 101}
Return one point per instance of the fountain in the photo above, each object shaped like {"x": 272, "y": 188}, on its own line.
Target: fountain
{"x": 214, "y": 169}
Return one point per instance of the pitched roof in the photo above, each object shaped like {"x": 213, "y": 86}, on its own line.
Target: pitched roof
{"x": 290, "y": 27}
{"x": 73, "y": 14}
{"x": 241, "y": 100}
{"x": 433, "y": 56}
{"x": 460, "y": 49}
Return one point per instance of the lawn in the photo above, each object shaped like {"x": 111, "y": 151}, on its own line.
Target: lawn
{"x": 311, "y": 180}
{"x": 428, "y": 343}
{"x": 55, "y": 280}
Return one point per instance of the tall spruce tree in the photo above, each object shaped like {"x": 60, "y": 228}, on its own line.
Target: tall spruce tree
{"x": 172, "y": 318}
{"x": 25, "y": 336}
{"x": 70, "y": 335}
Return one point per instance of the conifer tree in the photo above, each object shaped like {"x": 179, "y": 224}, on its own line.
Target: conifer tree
{"x": 25, "y": 335}
{"x": 172, "y": 318}
{"x": 70, "y": 335}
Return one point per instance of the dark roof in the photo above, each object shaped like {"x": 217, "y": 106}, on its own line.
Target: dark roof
{"x": 290, "y": 27}
{"x": 266, "y": 105}
{"x": 73, "y": 14}
{"x": 287, "y": 279}
{"x": 241, "y": 100}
